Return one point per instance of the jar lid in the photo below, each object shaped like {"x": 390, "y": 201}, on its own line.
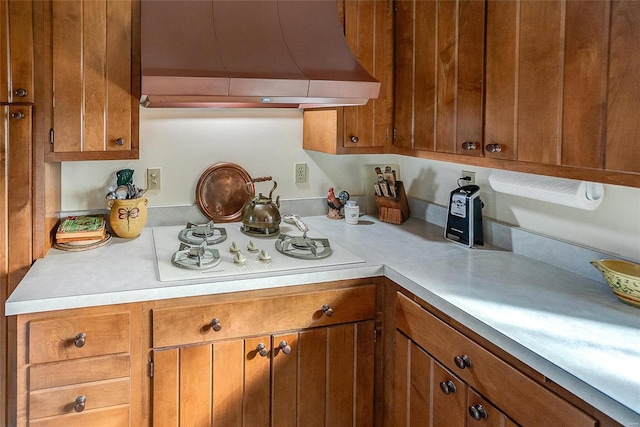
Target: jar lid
{"x": 351, "y": 203}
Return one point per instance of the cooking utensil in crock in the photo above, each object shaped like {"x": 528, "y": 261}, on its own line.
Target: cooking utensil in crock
{"x": 261, "y": 215}
{"x": 623, "y": 278}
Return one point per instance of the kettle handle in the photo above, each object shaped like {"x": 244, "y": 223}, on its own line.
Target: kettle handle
{"x": 261, "y": 179}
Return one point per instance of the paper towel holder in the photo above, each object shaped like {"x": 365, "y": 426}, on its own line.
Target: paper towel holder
{"x": 562, "y": 191}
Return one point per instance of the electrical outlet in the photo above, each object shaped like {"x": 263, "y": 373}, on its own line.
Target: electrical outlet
{"x": 301, "y": 173}
{"x": 470, "y": 175}
{"x": 154, "y": 178}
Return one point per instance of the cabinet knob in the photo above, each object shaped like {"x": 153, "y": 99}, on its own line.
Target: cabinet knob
{"x": 286, "y": 348}
{"x": 21, "y": 92}
{"x": 468, "y": 145}
{"x": 493, "y": 148}
{"x": 462, "y": 361}
{"x": 327, "y": 310}
{"x": 262, "y": 350}
{"x": 215, "y": 324}
{"x": 80, "y": 340}
{"x": 80, "y": 404}
{"x": 448, "y": 387}
{"x": 354, "y": 139}
{"x": 120, "y": 142}
{"x": 18, "y": 115}
{"x": 477, "y": 412}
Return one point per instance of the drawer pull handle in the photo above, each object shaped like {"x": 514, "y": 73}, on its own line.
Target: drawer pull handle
{"x": 262, "y": 350}
{"x": 215, "y": 324}
{"x": 478, "y": 412}
{"x": 448, "y": 387}
{"x": 354, "y": 139}
{"x": 80, "y": 340}
{"x": 80, "y": 404}
{"x": 327, "y": 310}
{"x": 468, "y": 145}
{"x": 120, "y": 142}
{"x": 286, "y": 348}
{"x": 493, "y": 148}
{"x": 462, "y": 361}
{"x": 21, "y": 92}
{"x": 18, "y": 115}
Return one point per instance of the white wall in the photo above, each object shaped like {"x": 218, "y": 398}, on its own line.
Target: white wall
{"x": 185, "y": 142}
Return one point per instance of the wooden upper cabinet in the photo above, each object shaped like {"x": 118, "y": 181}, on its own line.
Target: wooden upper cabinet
{"x": 439, "y": 61}
{"x": 95, "y": 79}
{"x": 561, "y": 84}
{"x": 622, "y": 148}
{"x": 16, "y": 51}
{"x": 368, "y": 26}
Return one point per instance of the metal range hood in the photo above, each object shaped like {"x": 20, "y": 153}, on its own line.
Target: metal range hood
{"x": 248, "y": 53}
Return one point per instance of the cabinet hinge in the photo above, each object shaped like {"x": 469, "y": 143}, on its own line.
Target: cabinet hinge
{"x": 375, "y": 335}
{"x": 394, "y": 134}
{"x": 150, "y": 368}
{"x": 51, "y": 136}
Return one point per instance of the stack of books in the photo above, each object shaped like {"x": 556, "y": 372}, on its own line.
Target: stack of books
{"x": 81, "y": 230}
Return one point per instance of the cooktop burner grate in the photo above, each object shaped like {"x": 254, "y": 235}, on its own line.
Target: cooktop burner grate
{"x": 196, "y": 234}
{"x": 196, "y": 257}
{"x": 303, "y": 247}
{"x": 260, "y": 231}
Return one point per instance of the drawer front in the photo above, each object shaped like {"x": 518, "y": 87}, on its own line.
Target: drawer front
{"x": 78, "y": 371}
{"x": 526, "y": 401}
{"x": 107, "y": 417}
{"x": 61, "y": 338}
{"x": 185, "y": 325}
{"x": 66, "y": 400}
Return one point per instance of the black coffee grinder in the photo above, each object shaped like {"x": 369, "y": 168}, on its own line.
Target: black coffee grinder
{"x": 464, "y": 217}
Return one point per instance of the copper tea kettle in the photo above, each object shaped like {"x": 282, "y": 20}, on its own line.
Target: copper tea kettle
{"x": 261, "y": 215}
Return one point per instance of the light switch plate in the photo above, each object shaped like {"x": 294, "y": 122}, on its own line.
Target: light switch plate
{"x": 154, "y": 178}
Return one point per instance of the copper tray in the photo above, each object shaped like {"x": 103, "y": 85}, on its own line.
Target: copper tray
{"x": 222, "y": 192}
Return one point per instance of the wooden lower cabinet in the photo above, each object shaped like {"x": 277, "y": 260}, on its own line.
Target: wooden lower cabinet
{"x": 300, "y": 378}
{"x": 78, "y": 367}
{"x": 301, "y": 356}
{"x": 443, "y": 378}
{"x": 425, "y": 393}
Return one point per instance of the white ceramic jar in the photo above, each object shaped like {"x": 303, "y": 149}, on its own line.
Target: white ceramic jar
{"x": 351, "y": 212}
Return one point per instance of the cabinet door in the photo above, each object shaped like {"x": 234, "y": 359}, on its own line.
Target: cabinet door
{"x": 16, "y": 179}
{"x": 95, "y": 109}
{"x": 325, "y": 378}
{"x": 368, "y": 27}
{"x": 623, "y": 89}
{"x": 364, "y": 129}
{"x": 226, "y": 383}
{"x": 439, "y": 54}
{"x": 561, "y": 85}
{"x": 16, "y": 51}
{"x": 425, "y": 393}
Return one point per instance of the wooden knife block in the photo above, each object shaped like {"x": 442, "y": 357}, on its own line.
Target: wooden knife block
{"x": 394, "y": 211}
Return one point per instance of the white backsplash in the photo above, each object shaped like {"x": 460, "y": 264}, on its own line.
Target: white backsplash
{"x": 184, "y": 142}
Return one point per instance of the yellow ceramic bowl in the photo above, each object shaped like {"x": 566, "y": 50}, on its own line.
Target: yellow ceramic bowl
{"x": 623, "y": 278}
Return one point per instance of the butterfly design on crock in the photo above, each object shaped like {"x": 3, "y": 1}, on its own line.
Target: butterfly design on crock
{"x": 128, "y": 213}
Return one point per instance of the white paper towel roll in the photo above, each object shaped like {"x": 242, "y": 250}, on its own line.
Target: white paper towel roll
{"x": 561, "y": 191}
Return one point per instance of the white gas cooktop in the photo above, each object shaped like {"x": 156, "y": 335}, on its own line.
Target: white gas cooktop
{"x": 166, "y": 242}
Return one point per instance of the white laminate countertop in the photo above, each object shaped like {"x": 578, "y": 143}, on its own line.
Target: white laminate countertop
{"x": 569, "y": 328}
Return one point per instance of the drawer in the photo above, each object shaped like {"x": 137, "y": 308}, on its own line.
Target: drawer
{"x": 117, "y": 416}
{"x": 186, "y": 325}
{"x": 523, "y": 399}
{"x": 78, "y": 371}
{"x": 60, "y": 338}
{"x": 64, "y": 400}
